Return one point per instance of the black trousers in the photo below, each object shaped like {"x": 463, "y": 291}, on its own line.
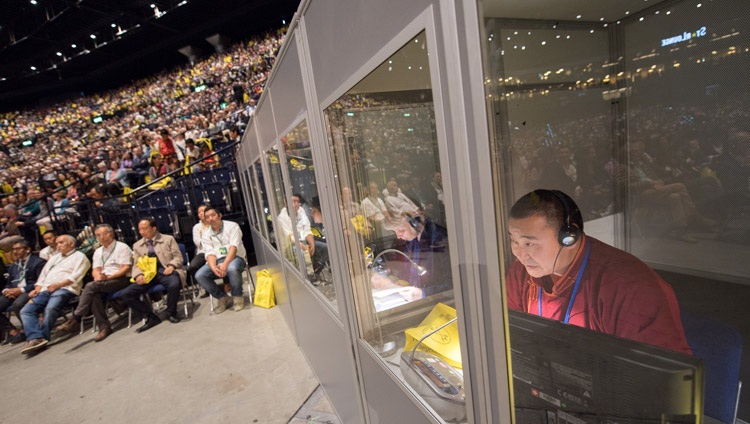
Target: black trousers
{"x": 132, "y": 294}
{"x": 91, "y": 299}
{"x": 11, "y": 305}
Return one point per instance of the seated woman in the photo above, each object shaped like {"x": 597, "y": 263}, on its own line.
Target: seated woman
{"x": 428, "y": 272}
{"x": 157, "y": 168}
{"x": 116, "y": 175}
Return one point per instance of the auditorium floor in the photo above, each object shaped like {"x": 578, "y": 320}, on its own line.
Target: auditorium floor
{"x": 237, "y": 367}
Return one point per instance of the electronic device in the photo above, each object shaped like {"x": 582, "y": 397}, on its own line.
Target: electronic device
{"x": 564, "y": 373}
{"x": 438, "y": 383}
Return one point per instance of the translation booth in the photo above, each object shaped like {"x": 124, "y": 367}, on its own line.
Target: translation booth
{"x": 381, "y": 169}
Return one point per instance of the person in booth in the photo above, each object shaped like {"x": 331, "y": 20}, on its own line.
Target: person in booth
{"x": 563, "y": 274}
{"x": 427, "y": 246}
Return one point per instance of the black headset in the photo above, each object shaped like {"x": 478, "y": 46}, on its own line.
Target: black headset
{"x": 416, "y": 222}
{"x": 569, "y": 232}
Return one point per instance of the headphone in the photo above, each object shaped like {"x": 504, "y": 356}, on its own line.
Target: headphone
{"x": 569, "y": 232}
{"x": 416, "y": 222}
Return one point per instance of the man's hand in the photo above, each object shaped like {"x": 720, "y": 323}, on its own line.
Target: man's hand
{"x": 140, "y": 279}
{"x": 411, "y": 293}
{"x": 219, "y": 270}
{"x": 379, "y": 281}
{"x": 12, "y": 293}
{"x": 34, "y": 292}
{"x": 169, "y": 270}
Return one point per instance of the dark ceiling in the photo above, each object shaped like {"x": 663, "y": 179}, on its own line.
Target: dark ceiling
{"x": 134, "y": 38}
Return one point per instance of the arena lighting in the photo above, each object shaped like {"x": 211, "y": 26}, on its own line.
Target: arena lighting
{"x": 27, "y": 143}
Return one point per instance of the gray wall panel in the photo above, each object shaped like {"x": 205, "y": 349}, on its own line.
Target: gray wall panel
{"x": 343, "y": 35}
{"x": 325, "y": 344}
{"x": 288, "y": 94}
{"x": 386, "y": 402}
{"x": 250, "y": 143}
{"x": 265, "y": 123}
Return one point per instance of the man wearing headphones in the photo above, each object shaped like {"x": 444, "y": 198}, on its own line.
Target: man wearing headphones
{"x": 429, "y": 271}
{"x": 562, "y": 274}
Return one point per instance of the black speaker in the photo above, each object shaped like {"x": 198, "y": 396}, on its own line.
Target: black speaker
{"x": 570, "y": 231}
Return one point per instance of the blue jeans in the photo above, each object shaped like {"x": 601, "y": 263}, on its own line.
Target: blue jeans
{"x": 52, "y": 305}
{"x": 205, "y": 277}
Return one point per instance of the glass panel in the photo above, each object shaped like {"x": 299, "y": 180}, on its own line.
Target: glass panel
{"x": 248, "y": 195}
{"x": 638, "y": 112}
{"x": 382, "y": 134}
{"x": 310, "y": 228}
{"x": 264, "y": 210}
{"x": 278, "y": 199}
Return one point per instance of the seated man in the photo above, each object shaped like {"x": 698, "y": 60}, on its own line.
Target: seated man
{"x": 169, "y": 273}
{"x": 112, "y": 263}
{"x": 60, "y": 280}
{"x": 427, "y": 248}
{"x": 49, "y": 239}
{"x": 225, "y": 258}
{"x": 562, "y": 274}
{"x": 199, "y": 259}
{"x": 22, "y": 276}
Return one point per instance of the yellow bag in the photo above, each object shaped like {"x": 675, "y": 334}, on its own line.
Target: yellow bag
{"x": 160, "y": 184}
{"x": 444, "y": 343}
{"x": 147, "y": 264}
{"x": 264, "y": 296}
{"x": 361, "y": 226}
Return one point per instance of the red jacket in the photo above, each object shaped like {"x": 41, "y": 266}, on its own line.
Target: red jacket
{"x": 618, "y": 295}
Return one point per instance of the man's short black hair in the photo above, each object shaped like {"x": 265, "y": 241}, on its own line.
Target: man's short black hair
{"x": 552, "y": 205}
{"x": 211, "y": 208}
{"x": 151, "y": 221}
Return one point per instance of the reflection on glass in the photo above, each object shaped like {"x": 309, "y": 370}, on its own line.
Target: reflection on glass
{"x": 278, "y": 197}
{"x": 639, "y": 113}
{"x": 383, "y": 138}
{"x": 252, "y": 211}
{"x": 310, "y": 227}
{"x": 264, "y": 210}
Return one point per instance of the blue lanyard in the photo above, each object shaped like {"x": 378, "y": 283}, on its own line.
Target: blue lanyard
{"x": 575, "y": 288}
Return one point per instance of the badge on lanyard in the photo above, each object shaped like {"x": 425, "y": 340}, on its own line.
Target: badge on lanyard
{"x": 223, "y": 251}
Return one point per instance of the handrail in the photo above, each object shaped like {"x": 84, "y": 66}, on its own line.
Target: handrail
{"x": 181, "y": 169}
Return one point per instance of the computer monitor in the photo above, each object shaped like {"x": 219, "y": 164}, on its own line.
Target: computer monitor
{"x": 567, "y": 374}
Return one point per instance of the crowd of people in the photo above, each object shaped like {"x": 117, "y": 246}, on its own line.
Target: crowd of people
{"x": 689, "y": 161}
{"x": 120, "y": 275}
{"x": 92, "y": 149}
{"x": 98, "y": 146}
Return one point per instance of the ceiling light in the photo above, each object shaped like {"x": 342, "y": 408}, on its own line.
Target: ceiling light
{"x": 73, "y": 45}
{"x": 113, "y": 25}
{"x": 544, "y": 43}
{"x": 153, "y": 6}
{"x": 33, "y": 2}
{"x": 578, "y": 16}
{"x": 93, "y": 36}
{"x": 59, "y": 54}
{"x": 640, "y": 19}
{"x": 669, "y": 12}
{"x": 699, "y": 5}
{"x": 33, "y": 68}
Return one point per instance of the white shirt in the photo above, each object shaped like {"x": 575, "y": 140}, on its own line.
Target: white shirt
{"x": 198, "y": 230}
{"x": 401, "y": 204}
{"x": 303, "y": 223}
{"x": 111, "y": 259}
{"x": 374, "y": 208}
{"x": 47, "y": 252}
{"x": 218, "y": 243}
{"x": 59, "y": 268}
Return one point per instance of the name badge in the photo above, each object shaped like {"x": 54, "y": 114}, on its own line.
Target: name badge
{"x": 223, "y": 250}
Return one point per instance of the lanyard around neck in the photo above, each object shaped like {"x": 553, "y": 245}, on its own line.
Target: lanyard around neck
{"x": 575, "y": 288}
